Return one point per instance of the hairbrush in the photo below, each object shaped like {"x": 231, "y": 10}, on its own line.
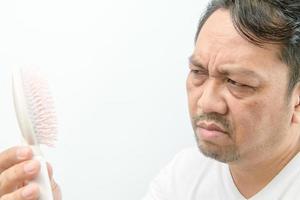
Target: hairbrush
{"x": 36, "y": 118}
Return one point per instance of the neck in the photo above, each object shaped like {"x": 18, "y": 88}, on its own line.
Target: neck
{"x": 251, "y": 177}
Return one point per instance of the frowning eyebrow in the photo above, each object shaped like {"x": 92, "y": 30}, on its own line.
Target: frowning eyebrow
{"x": 233, "y": 71}
{"x": 195, "y": 62}
{"x": 242, "y": 72}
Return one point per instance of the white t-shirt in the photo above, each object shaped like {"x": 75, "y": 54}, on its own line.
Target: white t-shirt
{"x": 192, "y": 176}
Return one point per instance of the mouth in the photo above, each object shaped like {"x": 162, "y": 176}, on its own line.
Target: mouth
{"x": 212, "y": 132}
{"x": 210, "y": 127}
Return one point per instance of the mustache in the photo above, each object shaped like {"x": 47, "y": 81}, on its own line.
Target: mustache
{"x": 213, "y": 117}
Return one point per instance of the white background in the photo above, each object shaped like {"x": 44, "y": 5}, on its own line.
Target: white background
{"x": 117, "y": 72}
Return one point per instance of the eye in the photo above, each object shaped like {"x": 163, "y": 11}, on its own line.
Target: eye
{"x": 238, "y": 89}
{"x": 195, "y": 71}
{"x": 198, "y": 72}
{"x": 232, "y": 82}
{"x": 197, "y": 76}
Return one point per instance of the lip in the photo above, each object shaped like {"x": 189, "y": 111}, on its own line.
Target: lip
{"x": 210, "y": 127}
{"x": 211, "y": 132}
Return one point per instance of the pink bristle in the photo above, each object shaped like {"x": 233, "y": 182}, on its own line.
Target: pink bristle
{"x": 40, "y": 106}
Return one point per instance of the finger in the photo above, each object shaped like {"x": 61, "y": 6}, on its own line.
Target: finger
{"x": 16, "y": 175}
{"x": 55, "y": 187}
{"x": 14, "y": 155}
{"x": 56, "y": 190}
{"x": 29, "y": 192}
{"x": 50, "y": 170}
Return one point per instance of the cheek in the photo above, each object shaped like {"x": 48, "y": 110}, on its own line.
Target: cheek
{"x": 248, "y": 120}
{"x": 193, "y": 94}
{"x": 256, "y": 121}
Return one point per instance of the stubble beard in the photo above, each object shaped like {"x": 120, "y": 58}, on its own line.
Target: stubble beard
{"x": 225, "y": 154}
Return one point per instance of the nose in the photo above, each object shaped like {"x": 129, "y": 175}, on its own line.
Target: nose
{"x": 211, "y": 99}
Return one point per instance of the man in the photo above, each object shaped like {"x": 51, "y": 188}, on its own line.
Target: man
{"x": 243, "y": 94}
{"x": 243, "y": 91}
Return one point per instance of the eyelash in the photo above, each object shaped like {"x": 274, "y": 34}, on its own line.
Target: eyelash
{"x": 236, "y": 83}
{"x": 240, "y": 85}
{"x": 197, "y": 72}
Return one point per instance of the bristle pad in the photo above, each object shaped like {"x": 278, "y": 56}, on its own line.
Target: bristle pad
{"x": 40, "y": 106}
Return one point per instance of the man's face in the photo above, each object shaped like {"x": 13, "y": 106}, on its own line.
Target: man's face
{"x": 237, "y": 94}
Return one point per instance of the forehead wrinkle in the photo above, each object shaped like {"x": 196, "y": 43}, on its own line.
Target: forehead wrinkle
{"x": 238, "y": 65}
{"x": 223, "y": 70}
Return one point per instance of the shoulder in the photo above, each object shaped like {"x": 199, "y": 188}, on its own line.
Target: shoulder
{"x": 190, "y": 163}
{"x": 186, "y": 164}
{"x": 181, "y": 175}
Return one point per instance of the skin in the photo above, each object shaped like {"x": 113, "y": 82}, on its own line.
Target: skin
{"x": 242, "y": 89}
{"x": 16, "y": 169}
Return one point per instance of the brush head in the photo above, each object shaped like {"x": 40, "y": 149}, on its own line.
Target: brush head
{"x": 34, "y": 107}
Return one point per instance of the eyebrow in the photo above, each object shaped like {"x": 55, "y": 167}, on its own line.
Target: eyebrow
{"x": 195, "y": 62}
{"x": 245, "y": 72}
{"x": 238, "y": 71}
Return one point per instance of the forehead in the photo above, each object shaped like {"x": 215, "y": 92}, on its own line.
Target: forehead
{"x": 219, "y": 40}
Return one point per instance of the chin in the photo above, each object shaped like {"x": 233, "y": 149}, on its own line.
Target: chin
{"x": 226, "y": 154}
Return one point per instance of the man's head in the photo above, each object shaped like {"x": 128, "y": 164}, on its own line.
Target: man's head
{"x": 243, "y": 86}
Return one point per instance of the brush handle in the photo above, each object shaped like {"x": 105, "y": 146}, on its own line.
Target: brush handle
{"x": 43, "y": 180}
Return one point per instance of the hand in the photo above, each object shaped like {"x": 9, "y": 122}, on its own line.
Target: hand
{"x": 16, "y": 169}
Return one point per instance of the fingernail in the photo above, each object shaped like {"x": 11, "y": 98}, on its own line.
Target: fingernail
{"x": 30, "y": 167}
{"x": 23, "y": 153}
{"x": 28, "y": 192}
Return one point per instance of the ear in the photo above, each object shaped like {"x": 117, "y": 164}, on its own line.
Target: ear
{"x": 295, "y": 100}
